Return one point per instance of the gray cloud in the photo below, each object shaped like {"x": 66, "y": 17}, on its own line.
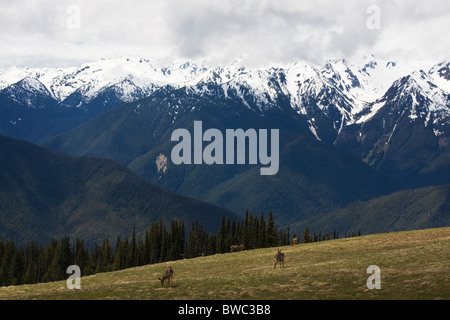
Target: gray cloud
{"x": 36, "y": 32}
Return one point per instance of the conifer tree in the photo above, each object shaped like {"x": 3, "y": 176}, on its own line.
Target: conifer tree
{"x": 94, "y": 265}
{"x": 176, "y": 240}
{"x": 106, "y": 257}
{"x": 222, "y": 237}
{"x": 335, "y": 234}
{"x": 212, "y": 242}
{"x": 190, "y": 250}
{"x": 133, "y": 254}
{"x": 165, "y": 243}
{"x": 121, "y": 254}
{"x": 153, "y": 242}
{"x": 272, "y": 234}
{"x": 65, "y": 256}
{"x": 16, "y": 269}
{"x": 262, "y": 236}
{"x": 30, "y": 263}
{"x": 9, "y": 250}
{"x": 81, "y": 255}
{"x": 52, "y": 254}
{"x": 306, "y": 236}
{"x": 245, "y": 231}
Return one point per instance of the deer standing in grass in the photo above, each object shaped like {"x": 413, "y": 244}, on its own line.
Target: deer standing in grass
{"x": 294, "y": 241}
{"x": 235, "y": 248}
{"x": 167, "y": 275}
{"x": 279, "y": 258}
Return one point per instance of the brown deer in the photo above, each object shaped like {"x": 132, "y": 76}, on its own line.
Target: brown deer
{"x": 279, "y": 258}
{"x": 236, "y": 247}
{"x": 294, "y": 241}
{"x": 167, "y": 275}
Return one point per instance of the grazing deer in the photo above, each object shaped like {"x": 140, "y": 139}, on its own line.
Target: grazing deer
{"x": 235, "y": 247}
{"x": 279, "y": 258}
{"x": 167, "y": 275}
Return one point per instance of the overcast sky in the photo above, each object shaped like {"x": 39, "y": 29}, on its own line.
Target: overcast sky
{"x": 66, "y": 33}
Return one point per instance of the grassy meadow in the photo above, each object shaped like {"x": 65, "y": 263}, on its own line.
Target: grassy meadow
{"x": 413, "y": 264}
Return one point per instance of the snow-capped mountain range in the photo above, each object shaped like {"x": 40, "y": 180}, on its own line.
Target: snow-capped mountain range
{"x": 129, "y": 74}
{"x": 335, "y": 95}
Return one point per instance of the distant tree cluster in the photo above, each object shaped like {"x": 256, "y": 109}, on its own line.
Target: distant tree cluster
{"x": 253, "y": 232}
{"x": 319, "y": 236}
{"x": 35, "y": 264}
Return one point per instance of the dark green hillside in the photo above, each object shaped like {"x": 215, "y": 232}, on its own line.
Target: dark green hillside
{"x": 312, "y": 179}
{"x": 403, "y": 210}
{"x": 45, "y": 194}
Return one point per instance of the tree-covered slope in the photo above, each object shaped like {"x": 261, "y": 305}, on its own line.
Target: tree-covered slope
{"x": 427, "y": 207}
{"x": 45, "y": 194}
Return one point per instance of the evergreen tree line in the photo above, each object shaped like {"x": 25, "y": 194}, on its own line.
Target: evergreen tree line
{"x": 319, "y": 236}
{"x": 35, "y": 264}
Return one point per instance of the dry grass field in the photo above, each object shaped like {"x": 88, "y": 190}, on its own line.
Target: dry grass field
{"x": 413, "y": 264}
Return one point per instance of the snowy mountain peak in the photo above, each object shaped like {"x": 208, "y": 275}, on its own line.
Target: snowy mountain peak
{"x": 32, "y": 85}
{"x": 369, "y": 79}
{"x": 440, "y": 73}
{"x": 11, "y": 76}
{"x": 418, "y": 96}
{"x": 91, "y": 78}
